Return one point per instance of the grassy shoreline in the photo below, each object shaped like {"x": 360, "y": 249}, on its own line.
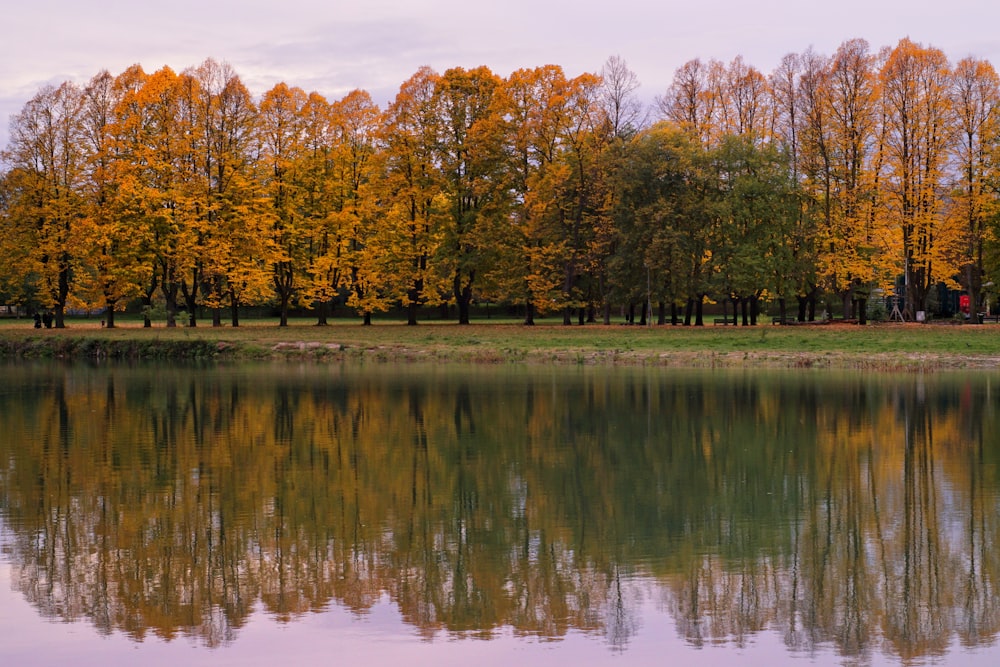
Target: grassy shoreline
{"x": 890, "y": 347}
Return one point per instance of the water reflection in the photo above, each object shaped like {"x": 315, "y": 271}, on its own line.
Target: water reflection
{"x": 846, "y": 512}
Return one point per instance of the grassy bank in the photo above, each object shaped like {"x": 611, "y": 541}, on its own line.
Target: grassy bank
{"x": 883, "y": 346}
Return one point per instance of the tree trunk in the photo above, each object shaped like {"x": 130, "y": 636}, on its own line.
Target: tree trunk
{"x": 698, "y": 309}
{"x": 192, "y": 308}
{"x": 283, "y": 306}
{"x": 415, "y": 297}
{"x": 529, "y": 314}
{"x": 63, "y": 293}
{"x": 568, "y": 280}
{"x": 974, "y": 285}
{"x": 463, "y": 295}
{"x": 170, "y": 296}
{"x": 234, "y": 305}
{"x": 147, "y": 304}
{"x": 190, "y": 297}
{"x": 464, "y": 301}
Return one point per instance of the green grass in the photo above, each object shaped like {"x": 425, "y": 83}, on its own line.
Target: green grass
{"x": 883, "y": 346}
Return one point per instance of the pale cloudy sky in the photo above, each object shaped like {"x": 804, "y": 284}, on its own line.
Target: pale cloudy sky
{"x": 335, "y": 46}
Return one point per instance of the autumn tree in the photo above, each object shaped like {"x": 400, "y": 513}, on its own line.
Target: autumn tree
{"x": 222, "y": 192}
{"x": 153, "y": 141}
{"x": 16, "y": 276}
{"x": 128, "y": 140}
{"x": 281, "y": 131}
{"x": 855, "y": 223}
{"x": 914, "y": 84}
{"x": 786, "y": 108}
{"x": 744, "y": 107}
{"x": 468, "y": 154}
{"x": 318, "y": 182}
{"x": 195, "y": 190}
{"x": 975, "y": 104}
{"x": 114, "y": 271}
{"x": 359, "y": 262}
{"x": 692, "y": 97}
{"x": 529, "y": 273}
{"x": 167, "y": 163}
{"x": 577, "y": 187}
{"x": 242, "y": 275}
{"x": 416, "y": 209}
{"x": 48, "y": 167}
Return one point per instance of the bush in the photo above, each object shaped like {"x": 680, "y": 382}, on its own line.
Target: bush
{"x": 876, "y": 311}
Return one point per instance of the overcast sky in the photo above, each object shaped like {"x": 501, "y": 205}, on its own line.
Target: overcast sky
{"x": 333, "y": 47}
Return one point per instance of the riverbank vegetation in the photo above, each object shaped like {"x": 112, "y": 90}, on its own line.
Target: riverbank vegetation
{"x": 877, "y": 347}
{"x": 832, "y": 180}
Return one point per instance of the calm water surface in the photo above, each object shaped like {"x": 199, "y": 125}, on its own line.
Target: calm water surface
{"x": 492, "y": 515}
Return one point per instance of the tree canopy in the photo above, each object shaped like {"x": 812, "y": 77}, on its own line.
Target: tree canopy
{"x": 829, "y": 179}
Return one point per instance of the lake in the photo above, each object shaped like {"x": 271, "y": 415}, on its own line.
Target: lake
{"x": 454, "y": 515}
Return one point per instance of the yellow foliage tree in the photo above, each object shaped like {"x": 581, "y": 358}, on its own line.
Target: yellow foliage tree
{"x": 45, "y": 206}
{"x": 975, "y": 103}
{"x": 415, "y": 206}
{"x": 917, "y": 116}
{"x": 281, "y": 137}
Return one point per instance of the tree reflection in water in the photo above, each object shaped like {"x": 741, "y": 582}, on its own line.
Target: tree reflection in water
{"x": 850, "y": 512}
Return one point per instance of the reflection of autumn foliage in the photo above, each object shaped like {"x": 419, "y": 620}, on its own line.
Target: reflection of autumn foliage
{"x": 852, "y": 513}
{"x": 887, "y": 537}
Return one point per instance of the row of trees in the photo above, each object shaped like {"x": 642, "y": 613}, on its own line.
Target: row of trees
{"x": 827, "y": 178}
